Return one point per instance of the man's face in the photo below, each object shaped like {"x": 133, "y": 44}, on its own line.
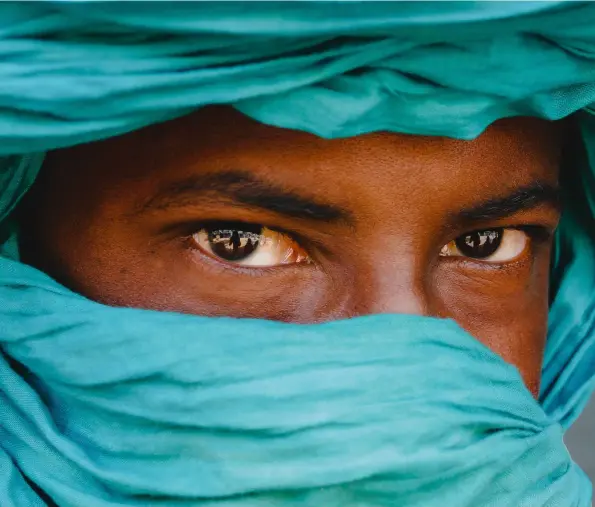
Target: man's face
{"x": 215, "y": 214}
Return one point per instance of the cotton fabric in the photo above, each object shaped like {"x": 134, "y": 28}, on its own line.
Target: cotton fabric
{"x": 104, "y": 406}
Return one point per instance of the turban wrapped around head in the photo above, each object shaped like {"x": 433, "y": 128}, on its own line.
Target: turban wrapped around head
{"x": 105, "y": 407}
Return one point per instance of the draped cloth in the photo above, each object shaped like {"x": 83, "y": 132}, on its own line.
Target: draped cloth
{"x": 105, "y": 407}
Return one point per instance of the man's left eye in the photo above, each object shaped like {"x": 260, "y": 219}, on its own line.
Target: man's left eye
{"x": 249, "y": 245}
{"x": 489, "y": 245}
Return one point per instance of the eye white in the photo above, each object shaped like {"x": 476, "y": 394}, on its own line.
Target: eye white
{"x": 271, "y": 248}
{"x": 513, "y": 243}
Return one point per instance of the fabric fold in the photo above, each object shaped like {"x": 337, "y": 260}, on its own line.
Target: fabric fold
{"x": 103, "y": 406}
{"x": 212, "y": 410}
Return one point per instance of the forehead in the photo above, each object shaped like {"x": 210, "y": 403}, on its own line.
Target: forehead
{"x": 367, "y": 170}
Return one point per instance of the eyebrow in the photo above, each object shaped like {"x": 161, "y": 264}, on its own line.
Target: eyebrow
{"x": 521, "y": 199}
{"x": 243, "y": 188}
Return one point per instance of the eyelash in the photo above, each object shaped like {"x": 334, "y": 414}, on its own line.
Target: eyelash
{"x": 536, "y": 233}
{"x": 537, "y": 236}
{"x": 194, "y": 228}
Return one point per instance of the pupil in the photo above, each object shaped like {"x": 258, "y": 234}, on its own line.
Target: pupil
{"x": 234, "y": 243}
{"x": 480, "y": 244}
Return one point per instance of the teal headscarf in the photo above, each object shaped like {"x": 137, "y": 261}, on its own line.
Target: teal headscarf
{"x": 105, "y": 407}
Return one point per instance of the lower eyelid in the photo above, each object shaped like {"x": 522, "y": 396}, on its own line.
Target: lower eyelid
{"x": 210, "y": 262}
{"x": 534, "y": 236}
{"x": 280, "y": 243}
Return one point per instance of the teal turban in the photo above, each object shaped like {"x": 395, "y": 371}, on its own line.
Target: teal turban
{"x": 105, "y": 407}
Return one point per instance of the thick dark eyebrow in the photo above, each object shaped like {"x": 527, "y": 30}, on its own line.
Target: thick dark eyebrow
{"x": 243, "y": 188}
{"x": 522, "y": 199}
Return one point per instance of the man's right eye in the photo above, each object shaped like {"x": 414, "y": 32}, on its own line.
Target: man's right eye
{"x": 252, "y": 245}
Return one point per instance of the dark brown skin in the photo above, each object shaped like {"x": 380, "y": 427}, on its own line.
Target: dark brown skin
{"x": 367, "y": 219}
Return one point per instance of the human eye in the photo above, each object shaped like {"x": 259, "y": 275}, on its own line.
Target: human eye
{"x": 498, "y": 245}
{"x": 251, "y": 245}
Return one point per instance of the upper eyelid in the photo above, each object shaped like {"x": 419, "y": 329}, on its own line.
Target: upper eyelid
{"x": 528, "y": 228}
{"x": 544, "y": 226}
{"x": 534, "y": 231}
{"x": 538, "y": 234}
{"x": 310, "y": 244}
{"x": 256, "y": 271}
{"x": 315, "y": 248}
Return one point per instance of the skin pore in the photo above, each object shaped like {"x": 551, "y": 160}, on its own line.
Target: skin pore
{"x": 215, "y": 214}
